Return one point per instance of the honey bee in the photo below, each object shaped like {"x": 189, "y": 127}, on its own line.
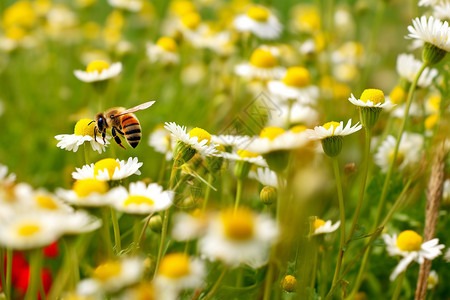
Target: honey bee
{"x": 122, "y": 121}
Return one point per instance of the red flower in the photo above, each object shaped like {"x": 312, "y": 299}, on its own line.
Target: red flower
{"x": 52, "y": 250}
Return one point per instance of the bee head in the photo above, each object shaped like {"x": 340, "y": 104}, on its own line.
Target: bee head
{"x": 101, "y": 122}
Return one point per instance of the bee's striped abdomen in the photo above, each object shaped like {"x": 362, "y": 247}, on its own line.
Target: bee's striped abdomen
{"x": 131, "y": 129}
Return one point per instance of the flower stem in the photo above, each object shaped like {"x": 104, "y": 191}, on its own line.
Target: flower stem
{"x": 106, "y": 232}
{"x": 208, "y": 191}
{"x": 35, "y": 274}
{"x": 86, "y": 153}
{"x": 9, "y": 255}
{"x": 342, "y": 217}
{"x": 141, "y": 236}
{"x": 238, "y": 194}
{"x": 115, "y": 223}
{"x": 216, "y": 284}
{"x": 363, "y": 183}
{"x": 136, "y": 233}
{"x": 269, "y": 280}
{"x": 398, "y": 286}
{"x": 387, "y": 179}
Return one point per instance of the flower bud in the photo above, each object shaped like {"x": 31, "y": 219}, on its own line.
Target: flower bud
{"x": 289, "y": 284}
{"x": 268, "y": 195}
{"x": 155, "y": 223}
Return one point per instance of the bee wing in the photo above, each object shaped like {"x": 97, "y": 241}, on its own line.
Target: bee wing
{"x": 136, "y": 108}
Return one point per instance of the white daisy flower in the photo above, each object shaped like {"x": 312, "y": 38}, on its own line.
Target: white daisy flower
{"x": 29, "y": 230}
{"x": 99, "y": 71}
{"x": 415, "y": 111}
{"x": 371, "y": 99}
{"x": 447, "y": 255}
{"x": 112, "y": 276}
{"x": 442, "y": 10}
{"x": 141, "y": 199}
{"x": 244, "y": 155}
{"x": 299, "y": 114}
{"x": 349, "y": 53}
{"x": 235, "y": 141}
{"x": 265, "y": 176}
{"x": 295, "y": 85}
{"x": 197, "y": 139}
{"x": 40, "y": 200}
{"x": 78, "y": 222}
{"x": 131, "y": 5}
{"x": 6, "y": 179}
{"x": 164, "y": 50}
{"x": 273, "y": 139}
{"x": 410, "y": 246}
{"x": 87, "y": 192}
{"x": 407, "y": 68}
{"x": 332, "y": 129}
{"x": 433, "y": 279}
{"x": 161, "y": 140}
{"x": 432, "y": 31}
{"x": 321, "y": 227}
{"x": 262, "y": 65}
{"x": 239, "y": 237}
{"x": 190, "y": 226}
{"x": 109, "y": 169}
{"x": 83, "y": 132}
{"x": 259, "y": 21}
{"x": 409, "y": 152}
{"x": 178, "y": 272}
{"x": 218, "y": 42}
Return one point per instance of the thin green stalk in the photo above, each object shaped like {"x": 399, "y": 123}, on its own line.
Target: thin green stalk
{"x": 363, "y": 183}
{"x": 288, "y": 119}
{"x": 208, "y": 191}
{"x": 342, "y": 217}
{"x": 86, "y": 153}
{"x": 216, "y": 284}
{"x": 9, "y": 256}
{"x": 141, "y": 237}
{"x": 315, "y": 263}
{"x": 106, "y": 232}
{"x": 238, "y": 194}
{"x": 35, "y": 274}
{"x": 115, "y": 223}
{"x": 269, "y": 280}
{"x": 136, "y": 233}
{"x": 162, "y": 171}
{"x": 398, "y": 285}
{"x": 387, "y": 179}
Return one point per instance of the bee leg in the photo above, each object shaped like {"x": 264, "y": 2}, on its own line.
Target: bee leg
{"x": 95, "y": 133}
{"x": 116, "y": 137}
{"x": 104, "y": 136}
{"x": 119, "y": 131}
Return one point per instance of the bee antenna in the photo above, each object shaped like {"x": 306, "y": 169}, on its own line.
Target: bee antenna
{"x": 91, "y": 122}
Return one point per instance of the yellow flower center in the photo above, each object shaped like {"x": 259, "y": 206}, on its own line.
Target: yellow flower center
{"x": 182, "y": 7}
{"x": 138, "y": 199}
{"x": 84, "y": 127}
{"x": 309, "y": 20}
{"x": 201, "y": 134}
{"x": 298, "y": 128}
{"x": 332, "y": 123}
{"x": 397, "y": 95}
{"x": 98, "y": 65}
{"x": 107, "y": 270}
{"x": 20, "y": 13}
{"x": 238, "y": 225}
{"x": 246, "y": 154}
{"x": 263, "y": 59}
{"x": 297, "y": 77}
{"x": 258, "y": 13}
{"x": 110, "y": 164}
{"x": 28, "y": 229}
{"x": 435, "y": 102}
{"x": 399, "y": 159}
{"x": 167, "y": 44}
{"x": 15, "y": 33}
{"x": 374, "y": 95}
{"x": 175, "y": 265}
{"x": 409, "y": 240}
{"x": 318, "y": 223}
{"x": 191, "y": 20}
{"x": 289, "y": 283}
{"x": 85, "y": 187}
{"x": 271, "y": 132}
{"x": 431, "y": 121}
{"x": 46, "y": 202}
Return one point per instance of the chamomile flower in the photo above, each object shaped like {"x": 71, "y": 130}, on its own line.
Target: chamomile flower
{"x": 408, "y": 67}
{"x": 244, "y": 155}
{"x": 131, "y": 5}
{"x": 109, "y": 169}
{"x": 165, "y": 50}
{"x": 296, "y": 86}
{"x": 141, "y": 199}
{"x": 371, "y": 98}
{"x": 78, "y": 222}
{"x": 265, "y": 176}
{"x": 321, "y": 227}
{"x": 235, "y": 141}
{"x": 41, "y": 200}
{"x": 446, "y": 192}
{"x": 189, "y": 226}
{"x": 178, "y": 272}
{"x": 86, "y": 192}
{"x": 98, "y": 71}
{"x": 433, "y": 280}
{"x": 162, "y": 141}
{"x": 331, "y": 129}
{"x": 112, "y": 276}
{"x": 409, "y": 152}
{"x": 239, "y": 237}
{"x": 428, "y": 2}
{"x": 83, "y": 132}
{"x": 218, "y": 42}
{"x": 442, "y": 10}
{"x": 262, "y": 65}
{"x": 273, "y": 139}
{"x": 189, "y": 143}
{"x": 409, "y": 244}
{"x": 259, "y": 21}
{"x": 295, "y": 114}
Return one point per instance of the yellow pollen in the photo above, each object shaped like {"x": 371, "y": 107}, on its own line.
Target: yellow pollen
{"x": 28, "y": 229}
{"x": 399, "y": 159}
{"x": 201, "y": 134}
{"x": 84, "y": 127}
{"x": 297, "y": 77}
{"x": 85, "y": 187}
{"x": 318, "y": 223}
{"x": 271, "y": 132}
{"x": 175, "y": 265}
{"x": 374, "y": 95}
{"x": 191, "y": 20}
{"x": 98, "y": 65}
{"x": 246, "y": 154}
{"x": 109, "y": 164}
{"x": 46, "y": 202}
{"x": 298, "y": 128}
{"x": 167, "y": 44}
{"x": 139, "y": 200}
{"x": 238, "y": 225}
{"x": 397, "y": 95}
{"x": 332, "y": 123}
{"x": 263, "y": 59}
{"x": 107, "y": 270}
{"x": 409, "y": 240}
{"x": 258, "y": 13}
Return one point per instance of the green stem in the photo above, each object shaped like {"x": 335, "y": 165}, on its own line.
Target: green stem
{"x": 315, "y": 263}
{"x": 387, "y": 179}
{"x": 35, "y": 274}
{"x": 216, "y": 284}
{"x": 363, "y": 184}
{"x": 238, "y": 194}
{"x": 342, "y": 217}
{"x": 141, "y": 237}
{"x": 115, "y": 223}
{"x": 9, "y": 256}
{"x": 269, "y": 281}
{"x": 398, "y": 286}
{"x": 106, "y": 232}
{"x": 86, "y": 153}
{"x": 208, "y": 191}
{"x": 162, "y": 171}
{"x": 136, "y": 233}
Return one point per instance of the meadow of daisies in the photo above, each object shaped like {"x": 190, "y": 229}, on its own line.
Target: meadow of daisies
{"x": 285, "y": 149}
